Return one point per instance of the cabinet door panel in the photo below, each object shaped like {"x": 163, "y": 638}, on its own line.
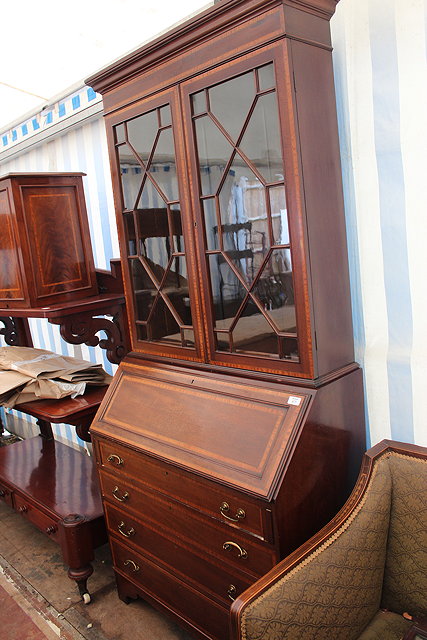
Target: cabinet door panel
{"x": 155, "y": 231}
{"x": 246, "y": 208}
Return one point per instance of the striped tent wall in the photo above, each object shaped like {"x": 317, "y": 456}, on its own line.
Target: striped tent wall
{"x": 380, "y": 73}
{"x": 381, "y": 83}
{"x": 80, "y": 149}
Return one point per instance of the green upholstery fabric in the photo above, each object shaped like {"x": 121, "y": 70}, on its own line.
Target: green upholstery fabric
{"x": 335, "y": 592}
{"x": 405, "y": 578}
{"x": 386, "y": 625}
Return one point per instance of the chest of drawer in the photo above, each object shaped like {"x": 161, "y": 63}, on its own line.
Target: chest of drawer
{"x": 238, "y": 554}
{"x": 223, "y": 503}
{"x": 29, "y": 511}
{"x": 179, "y": 597}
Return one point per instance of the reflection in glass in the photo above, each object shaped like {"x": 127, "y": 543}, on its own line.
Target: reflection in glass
{"x": 131, "y": 175}
{"x": 211, "y": 224}
{"x": 142, "y": 132}
{"x": 260, "y": 142}
{"x": 176, "y": 228}
{"x": 214, "y": 151}
{"x": 154, "y": 239}
{"x": 279, "y": 215}
{"x": 175, "y": 287}
{"x": 198, "y": 103}
{"x": 246, "y": 237}
{"x": 228, "y": 292}
{"x": 130, "y": 233}
{"x": 143, "y": 288}
{"x": 239, "y": 92}
{"x": 162, "y": 166}
{"x": 289, "y": 348}
{"x": 188, "y": 338}
{"x": 266, "y": 77}
{"x": 162, "y": 325}
{"x": 222, "y": 341}
{"x": 253, "y": 334}
{"x": 274, "y": 290}
{"x": 141, "y": 332}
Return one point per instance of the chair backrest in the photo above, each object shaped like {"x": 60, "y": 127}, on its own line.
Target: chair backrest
{"x": 405, "y": 576}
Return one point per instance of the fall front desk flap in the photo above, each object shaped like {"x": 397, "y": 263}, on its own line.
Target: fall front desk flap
{"x": 237, "y": 432}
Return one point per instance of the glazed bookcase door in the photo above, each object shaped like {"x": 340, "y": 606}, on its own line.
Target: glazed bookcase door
{"x": 247, "y": 206}
{"x": 155, "y": 233}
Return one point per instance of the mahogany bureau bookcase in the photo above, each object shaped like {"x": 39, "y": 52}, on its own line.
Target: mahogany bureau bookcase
{"x": 235, "y": 427}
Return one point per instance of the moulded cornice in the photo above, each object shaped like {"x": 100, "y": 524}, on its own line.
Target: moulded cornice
{"x": 221, "y": 16}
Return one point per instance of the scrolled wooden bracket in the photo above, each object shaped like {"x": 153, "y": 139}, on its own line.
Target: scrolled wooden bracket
{"x": 15, "y": 331}
{"x": 83, "y": 328}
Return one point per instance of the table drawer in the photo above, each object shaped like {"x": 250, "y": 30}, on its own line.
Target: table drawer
{"x": 5, "y": 494}
{"x": 29, "y": 511}
{"x": 174, "y": 594}
{"x": 223, "y": 503}
{"x": 214, "y": 571}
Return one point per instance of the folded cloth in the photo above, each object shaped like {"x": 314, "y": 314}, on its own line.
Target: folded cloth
{"x": 28, "y": 374}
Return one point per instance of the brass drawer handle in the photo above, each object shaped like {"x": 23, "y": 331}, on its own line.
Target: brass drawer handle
{"x": 3, "y": 493}
{"x": 115, "y": 459}
{"x": 241, "y": 553}
{"x": 50, "y": 530}
{"x": 231, "y": 592}
{"x": 225, "y": 508}
{"x": 23, "y": 509}
{"x": 122, "y": 498}
{"x": 133, "y": 565}
{"x": 127, "y": 534}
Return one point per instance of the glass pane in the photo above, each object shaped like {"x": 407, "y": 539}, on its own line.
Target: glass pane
{"x": 279, "y": 215}
{"x": 289, "y": 347}
{"x": 188, "y": 338}
{"x": 175, "y": 287}
{"x": 253, "y": 334}
{"x": 261, "y": 142}
{"x": 142, "y": 132}
{"x": 214, "y": 152}
{"x": 141, "y": 332}
{"x": 228, "y": 292}
{"x": 163, "y": 167}
{"x": 275, "y": 292}
{"x": 165, "y": 116}
{"x": 144, "y": 290}
{"x": 244, "y": 220}
{"x": 266, "y": 77}
{"x": 162, "y": 325}
{"x": 131, "y": 175}
{"x": 154, "y": 241}
{"x": 198, "y": 103}
{"x": 120, "y": 132}
{"x": 211, "y": 224}
{"x": 176, "y": 224}
{"x": 239, "y": 94}
{"x": 222, "y": 342}
{"x": 130, "y": 233}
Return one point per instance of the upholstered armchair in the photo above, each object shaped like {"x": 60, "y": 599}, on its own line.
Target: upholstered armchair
{"x": 362, "y": 576}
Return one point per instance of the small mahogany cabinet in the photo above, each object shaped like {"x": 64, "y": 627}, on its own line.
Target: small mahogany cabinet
{"x": 45, "y": 249}
{"x": 235, "y": 427}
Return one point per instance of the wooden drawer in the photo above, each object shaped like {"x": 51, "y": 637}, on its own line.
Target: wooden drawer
{"x": 191, "y": 527}
{"x": 5, "y": 494}
{"x": 173, "y": 594}
{"x": 212, "y": 572}
{"x": 29, "y": 511}
{"x": 223, "y": 503}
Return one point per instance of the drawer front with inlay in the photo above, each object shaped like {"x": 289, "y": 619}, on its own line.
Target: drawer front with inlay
{"x": 223, "y": 503}
{"x": 38, "y": 518}
{"x": 215, "y": 573}
{"x": 194, "y": 606}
